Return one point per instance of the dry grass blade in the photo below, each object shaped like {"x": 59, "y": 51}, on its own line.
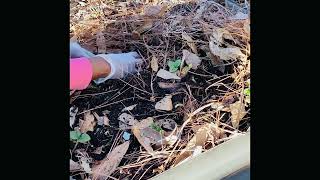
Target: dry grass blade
{"x": 109, "y": 164}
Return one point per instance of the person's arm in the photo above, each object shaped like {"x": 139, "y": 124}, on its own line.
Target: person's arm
{"x": 83, "y": 70}
{"x": 85, "y": 66}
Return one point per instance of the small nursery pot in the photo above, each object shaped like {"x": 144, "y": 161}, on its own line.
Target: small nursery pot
{"x": 225, "y": 161}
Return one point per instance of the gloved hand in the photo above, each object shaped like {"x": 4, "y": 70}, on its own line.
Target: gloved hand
{"x": 77, "y": 51}
{"x": 121, "y": 65}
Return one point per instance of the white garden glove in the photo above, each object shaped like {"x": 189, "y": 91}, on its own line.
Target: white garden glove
{"x": 77, "y": 51}
{"x": 121, "y": 65}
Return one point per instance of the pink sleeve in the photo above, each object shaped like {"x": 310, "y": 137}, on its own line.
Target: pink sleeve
{"x": 80, "y": 73}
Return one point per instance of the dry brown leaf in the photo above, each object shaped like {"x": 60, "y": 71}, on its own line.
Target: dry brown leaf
{"x": 126, "y": 121}
{"x": 168, "y": 124}
{"x": 88, "y": 123}
{"x": 101, "y": 43}
{"x": 164, "y": 104}
{"x": 146, "y": 135}
{"x": 167, "y": 75}
{"x": 106, "y": 120}
{"x": 109, "y": 164}
{"x": 145, "y": 142}
{"x": 191, "y": 58}
{"x": 154, "y": 136}
{"x": 159, "y": 169}
{"x": 237, "y": 113}
{"x": 154, "y": 64}
{"x": 148, "y": 24}
{"x": 220, "y": 33}
{"x": 199, "y": 139}
{"x": 154, "y": 11}
{"x": 144, "y": 123}
{"x": 190, "y": 42}
{"x": 98, "y": 150}
{"x": 219, "y": 106}
{"x": 226, "y": 53}
{"x": 74, "y": 166}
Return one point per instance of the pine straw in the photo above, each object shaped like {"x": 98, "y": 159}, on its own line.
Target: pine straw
{"x": 118, "y": 20}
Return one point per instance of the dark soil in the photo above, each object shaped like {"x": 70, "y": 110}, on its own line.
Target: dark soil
{"x": 124, "y": 95}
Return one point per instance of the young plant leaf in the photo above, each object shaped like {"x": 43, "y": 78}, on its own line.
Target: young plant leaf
{"x": 174, "y": 65}
{"x": 84, "y": 138}
{"x": 156, "y": 127}
{"x": 78, "y": 136}
{"x": 247, "y": 91}
{"x": 74, "y": 135}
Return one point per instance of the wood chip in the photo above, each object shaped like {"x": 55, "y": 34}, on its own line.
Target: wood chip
{"x": 110, "y": 163}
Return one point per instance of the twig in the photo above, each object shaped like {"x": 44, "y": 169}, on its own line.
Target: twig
{"x": 135, "y": 87}
{"x": 98, "y": 107}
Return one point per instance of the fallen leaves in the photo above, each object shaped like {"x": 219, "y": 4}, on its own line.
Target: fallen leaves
{"x": 154, "y": 11}
{"x": 191, "y": 59}
{"x": 164, "y": 104}
{"x": 154, "y": 64}
{"x": 190, "y": 42}
{"x": 88, "y": 123}
{"x": 137, "y": 131}
{"x": 167, "y": 75}
{"x": 109, "y": 164}
{"x": 237, "y": 113}
{"x": 199, "y": 139}
{"x": 226, "y": 53}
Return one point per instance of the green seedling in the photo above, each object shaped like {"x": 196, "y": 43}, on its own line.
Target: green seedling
{"x": 79, "y": 137}
{"x": 174, "y": 65}
{"x": 156, "y": 127}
